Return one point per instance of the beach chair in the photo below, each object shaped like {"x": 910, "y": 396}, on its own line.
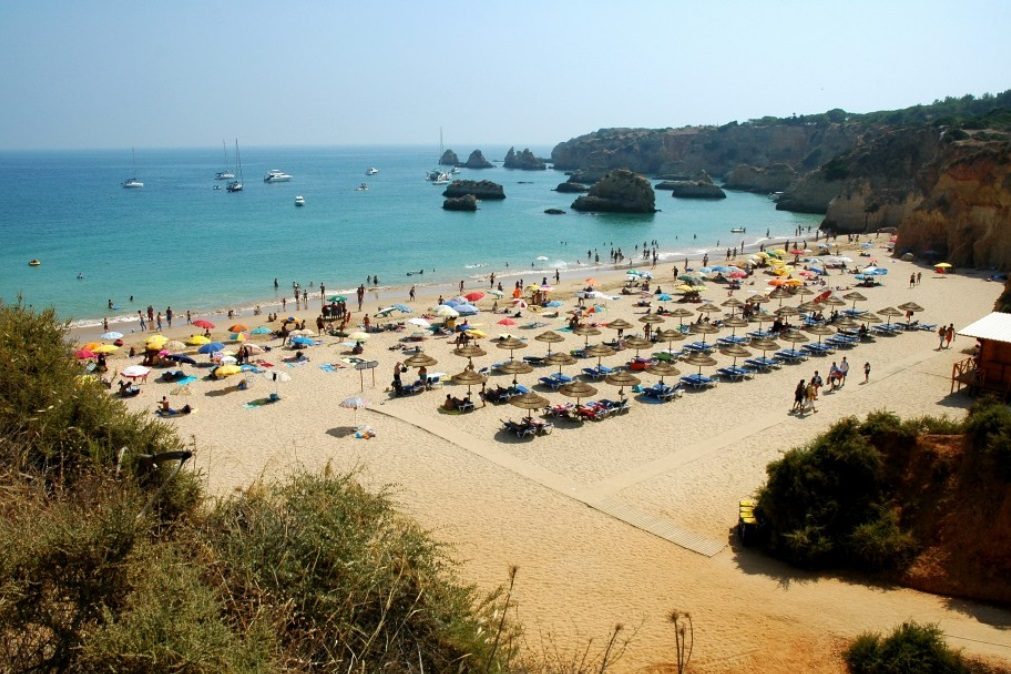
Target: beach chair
{"x": 614, "y": 407}
{"x": 535, "y": 361}
{"x": 640, "y": 363}
{"x": 466, "y": 406}
{"x": 734, "y": 373}
{"x": 763, "y": 364}
{"x": 597, "y": 372}
{"x": 588, "y": 412}
{"x": 818, "y": 349}
{"x": 790, "y": 355}
{"x": 561, "y": 411}
{"x": 556, "y": 381}
{"x": 698, "y": 381}
{"x": 730, "y": 341}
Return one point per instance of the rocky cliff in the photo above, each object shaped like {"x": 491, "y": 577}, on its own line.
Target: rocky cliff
{"x": 692, "y": 189}
{"x": 465, "y": 203}
{"x": 449, "y": 158}
{"x": 480, "y": 189}
{"x": 619, "y": 191}
{"x": 773, "y": 178}
{"x": 476, "y": 160}
{"x": 523, "y": 160}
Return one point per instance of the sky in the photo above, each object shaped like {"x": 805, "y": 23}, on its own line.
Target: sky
{"x": 103, "y": 74}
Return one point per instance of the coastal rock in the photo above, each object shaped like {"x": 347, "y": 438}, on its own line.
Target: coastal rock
{"x": 774, "y": 178}
{"x": 572, "y": 188}
{"x": 523, "y": 160}
{"x": 480, "y": 189}
{"x": 692, "y": 189}
{"x": 476, "y": 160}
{"x": 587, "y": 176}
{"x": 465, "y": 203}
{"x": 449, "y": 158}
{"x": 619, "y": 191}
{"x": 554, "y": 211}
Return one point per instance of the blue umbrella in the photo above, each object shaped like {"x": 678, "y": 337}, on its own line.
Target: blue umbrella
{"x": 664, "y": 297}
{"x": 466, "y": 309}
{"x": 262, "y": 330}
{"x": 554, "y": 304}
{"x": 454, "y": 303}
{"x": 403, "y": 308}
{"x": 112, "y": 334}
{"x": 182, "y": 358}
{"x": 302, "y": 341}
{"x": 213, "y": 347}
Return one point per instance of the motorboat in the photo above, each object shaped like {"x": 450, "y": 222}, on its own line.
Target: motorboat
{"x": 372, "y": 171}
{"x": 276, "y": 176}
{"x": 299, "y": 201}
{"x": 443, "y": 179}
{"x": 236, "y": 185}
{"x": 34, "y": 262}
{"x": 133, "y": 183}
{"x": 738, "y": 230}
{"x": 362, "y": 187}
{"x": 454, "y": 170}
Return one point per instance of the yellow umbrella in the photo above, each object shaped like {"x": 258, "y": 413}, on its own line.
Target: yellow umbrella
{"x": 792, "y": 282}
{"x": 939, "y": 265}
{"x": 174, "y": 345}
{"x": 685, "y": 288}
{"x": 156, "y": 341}
{"x": 237, "y": 337}
{"x": 227, "y": 371}
{"x": 358, "y": 337}
{"x": 197, "y": 340}
{"x": 91, "y": 346}
{"x": 105, "y": 348}
{"x": 476, "y": 334}
{"x": 532, "y": 287}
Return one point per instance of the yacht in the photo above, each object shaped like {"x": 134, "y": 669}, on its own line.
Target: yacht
{"x": 442, "y": 179}
{"x": 236, "y": 185}
{"x": 362, "y": 187}
{"x": 299, "y": 201}
{"x": 133, "y": 183}
{"x": 226, "y": 174}
{"x": 276, "y": 176}
{"x": 372, "y": 171}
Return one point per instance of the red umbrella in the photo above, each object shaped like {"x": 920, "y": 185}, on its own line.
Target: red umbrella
{"x": 84, "y": 353}
{"x": 474, "y": 296}
{"x": 507, "y": 321}
{"x": 202, "y": 323}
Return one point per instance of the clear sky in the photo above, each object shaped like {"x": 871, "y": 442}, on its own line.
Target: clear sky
{"x": 103, "y": 74}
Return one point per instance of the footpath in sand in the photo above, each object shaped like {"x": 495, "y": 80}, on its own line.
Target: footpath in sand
{"x": 619, "y": 521}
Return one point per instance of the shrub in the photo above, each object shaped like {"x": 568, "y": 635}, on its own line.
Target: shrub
{"x": 989, "y": 432}
{"x": 880, "y": 543}
{"x": 910, "y": 649}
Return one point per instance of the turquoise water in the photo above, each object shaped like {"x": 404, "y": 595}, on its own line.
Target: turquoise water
{"x": 179, "y": 242}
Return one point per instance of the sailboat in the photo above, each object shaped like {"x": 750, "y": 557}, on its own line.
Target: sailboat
{"x": 236, "y": 185}
{"x": 133, "y": 183}
{"x": 226, "y": 174}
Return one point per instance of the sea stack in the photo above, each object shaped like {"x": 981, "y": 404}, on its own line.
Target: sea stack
{"x": 465, "y": 203}
{"x": 476, "y": 160}
{"x": 480, "y": 189}
{"x": 449, "y": 158}
{"x": 523, "y": 160}
{"x": 619, "y": 191}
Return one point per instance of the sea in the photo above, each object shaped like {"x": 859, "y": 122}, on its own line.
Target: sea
{"x": 184, "y": 241}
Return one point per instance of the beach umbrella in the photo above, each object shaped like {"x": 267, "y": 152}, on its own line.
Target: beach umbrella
{"x": 700, "y": 359}
{"x": 83, "y": 354}
{"x": 855, "y": 297}
{"x": 496, "y": 293}
{"x": 652, "y": 319}
{"x": 135, "y": 371}
{"x": 529, "y": 401}
{"x": 507, "y": 321}
{"x": 420, "y": 322}
{"x": 519, "y": 304}
{"x": 638, "y": 343}
{"x": 197, "y": 340}
{"x": 670, "y": 336}
{"x": 559, "y": 358}
{"x": 238, "y": 327}
{"x": 403, "y": 308}
{"x": 664, "y": 297}
{"x": 733, "y": 303}
{"x": 182, "y": 358}
{"x": 385, "y": 312}
{"x": 469, "y": 378}
{"x": 663, "y": 369}
{"x": 174, "y": 345}
{"x": 277, "y": 377}
{"x": 155, "y": 341}
{"x": 92, "y": 345}
{"x": 226, "y": 370}
{"x": 511, "y": 343}
{"x": 470, "y": 351}
{"x": 261, "y": 330}
{"x": 337, "y": 298}
{"x": 820, "y": 329}
{"x": 112, "y": 334}
{"x": 621, "y": 380}
{"x": 890, "y": 312}
{"x": 237, "y": 337}
{"x": 578, "y": 390}
{"x": 302, "y": 341}
{"x": 599, "y": 350}
{"x": 104, "y": 348}
{"x": 446, "y": 311}
{"x": 844, "y": 321}
{"x": 911, "y": 306}
{"x": 620, "y": 324}
{"x": 203, "y": 323}
{"x": 764, "y": 345}
{"x": 467, "y": 309}
{"x": 708, "y": 308}
{"x": 735, "y": 351}
{"x": 868, "y": 317}
{"x": 420, "y": 359}
{"x": 515, "y": 367}
{"x": 593, "y": 283}
{"x": 211, "y": 347}
{"x": 681, "y": 314}
{"x": 475, "y": 296}
{"x": 474, "y": 333}
{"x": 354, "y": 403}
{"x": 808, "y": 307}
{"x": 704, "y": 329}
{"x": 833, "y": 301}
{"x": 733, "y": 323}
{"x": 586, "y": 331}
{"x": 359, "y": 336}
{"x": 549, "y": 337}
{"x": 793, "y": 337}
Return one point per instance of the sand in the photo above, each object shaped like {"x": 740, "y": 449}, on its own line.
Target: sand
{"x": 579, "y": 511}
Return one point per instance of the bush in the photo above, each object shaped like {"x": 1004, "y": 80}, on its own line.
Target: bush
{"x": 989, "y": 431}
{"x": 910, "y": 649}
{"x": 881, "y": 543}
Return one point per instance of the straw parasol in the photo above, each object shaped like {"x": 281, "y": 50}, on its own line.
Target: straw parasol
{"x": 599, "y": 350}
{"x": 820, "y": 329}
{"x": 733, "y": 303}
{"x": 735, "y": 351}
{"x": 549, "y": 337}
{"x": 845, "y": 322}
{"x": 708, "y": 308}
{"x": 620, "y": 324}
{"x": 911, "y": 306}
{"x": 638, "y": 343}
{"x": 793, "y": 337}
{"x": 585, "y": 331}
{"x": 803, "y": 291}
{"x": 733, "y": 323}
{"x": 654, "y": 319}
{"x": 578, "y": 390}
{"x": 470, "y": 351}
{"x": 780, "y": 293}
{"x": 704, "y": 329}
{"x": 681, "y": 314}
{"x": 700, "y": 359}
{"x": 529, "y": 401}
{"x": 855, "y": 297}
{"x": 663, "y": 369}
{"x": 511, "y": 343}
{"x": 808, "y": 307}
{"x": 890, "y": 312}
{"x": 420, "y": 359}
{"x": 621, "y": 380}
{"x": 559, "y": 358}
{"x": 764, "y": 345}
{"x": 833, "y": 301}
{"x": 869, "y": 318}
{"x": 515, "y": 367}
{"x": 469, "y": 378}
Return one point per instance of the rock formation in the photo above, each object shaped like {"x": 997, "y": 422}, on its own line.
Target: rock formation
{"x": 692, "y": 189}
{"x": 524, "y": 160}
{"x": 480, "y": 189}
{"x": 465, "y": 203}
{"x": 619, "y": 191}
{"x": 476, "y": 160}
{"x": 554, "y": 211}
{"x": 449, "y": 158}
{"x": 572, "y": 188}
{"x": 773, "y": 178}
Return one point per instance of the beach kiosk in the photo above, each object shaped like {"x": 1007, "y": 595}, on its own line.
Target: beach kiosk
{"x": 989, "y": 368}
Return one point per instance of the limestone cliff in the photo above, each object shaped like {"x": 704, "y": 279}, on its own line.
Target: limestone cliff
{"x": 619, "y": 191}
{"x": 480, "y": 189}
{"x": 773, "y": 178}
{"x": 449, "y": 158}
{"x": 524, "y": 160}
{"x": 476, "y": 160}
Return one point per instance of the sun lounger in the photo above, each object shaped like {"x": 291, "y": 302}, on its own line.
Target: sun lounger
{"x": 730, "y": 341}
{"x": 790, "y": 355}
{"x": 760, "y": 334}
{"x": 640, "y": 363}
{"x": 697, "y": 347}
{"x": 698, "y": 381}
{"x": 615, "y": 407}
{"x": 888, "y": 329}
{"x": 734, "y": 373}
{"x": 763, "y": 364}
{"x": 590, "y": 411}
{"x": 556, "y": 381}
{"x": 561, "y": 410}
{"x": 842, "y": 341}
{"x": 818, "y": 349}
{"x": 930, "y": 327}
{"x": 536, "y": 361}
{"x": 661, "y": 392}
{"x": 597, "y": 372}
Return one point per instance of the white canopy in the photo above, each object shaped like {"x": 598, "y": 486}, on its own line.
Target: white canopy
{"x": 995, "y": 327}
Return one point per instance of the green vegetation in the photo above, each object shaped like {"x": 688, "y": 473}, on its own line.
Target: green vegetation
{"x": 852, "y": 496}
{"x": 911, "y": 648}
{"x": 127, "y": 568}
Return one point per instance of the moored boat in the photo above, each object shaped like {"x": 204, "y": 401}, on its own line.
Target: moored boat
{"x": 276, "y": 176}
{"x": 299, "y": 201}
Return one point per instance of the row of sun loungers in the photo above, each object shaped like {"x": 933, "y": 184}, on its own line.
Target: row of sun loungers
{"x": 527, "y": 428}
{"x": 589, "y": 411}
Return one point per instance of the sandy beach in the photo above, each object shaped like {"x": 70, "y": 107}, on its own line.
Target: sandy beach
{"x": 619, "y": 521}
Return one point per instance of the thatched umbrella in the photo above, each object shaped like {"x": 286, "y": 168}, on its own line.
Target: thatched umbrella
{"x": 681, "y": 314}
{"x": 869, "y": 318}
{"x": 808, "y": 307}
{"x": 708, "y": 308}
{"x": 530, "y": 402}
{"x": 559, "y": 358}
{"x": 733, "y": 303}
{"x": 549, "y": 337}
{"x": 662, "y": 370}
{"x": 793, "y": 337}
{"x": 786, "y": 312}
{"x": 420, "y": 359}
{"x": 620, "y": 324}
{"x": 911, "y": 306}
{"x": 803, "y": 291}
{"x": 598, "y": 350}
{"x": 469, "y": 378}
{"x": 586, "y": 331}
{"x": 670, "y": 336}
{"x": 511, "y": 343}
{"x": 653, "y": 319}
{"x": 833, "y": 301}
{"x": 845, "y": 322}
{"x": 700, "y": 359}
{"x": 764, "y": 345}
{"x": 515, "y": 367}
{"x": 890, "y": 312}
{"x": 638, "y": 343}
{"x": 820, "y": 329}
{"x": 704, "y": 329}
{"x": 578, "y": 390}
{"x": 470, "y": 351}
{"x": 621, "y": 380}
{"x": 733, "y": 323}
{"x": 780, "y": 294}
{"x": 761, "y": 316}
{"x": 735, "y": 351}
{"x": 855, "y": 297}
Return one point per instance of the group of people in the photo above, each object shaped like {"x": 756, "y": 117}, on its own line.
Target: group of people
{"x": 806, "y": 392}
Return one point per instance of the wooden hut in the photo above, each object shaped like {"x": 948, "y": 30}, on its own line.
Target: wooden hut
{"x": 989, "y": 368}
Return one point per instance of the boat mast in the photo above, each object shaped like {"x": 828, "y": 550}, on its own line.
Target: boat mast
{"x": 238, "y": 162}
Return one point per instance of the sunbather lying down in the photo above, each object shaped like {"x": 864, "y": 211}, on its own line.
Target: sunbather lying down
{"x": 165, "y": 410}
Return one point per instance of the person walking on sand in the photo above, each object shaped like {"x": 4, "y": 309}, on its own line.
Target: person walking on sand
{"x": 810, "y": 395}
{"x": 942, "y": 332}
{"x": 798, "y": 397}
{"x": 143, "y": 324}
{"x": 949, "y": 334}
{"x": 817, "y": 383}
{"x": 867, "y": 372}
{"x": 411, "y": 293}
{"x": 844, "y": 369}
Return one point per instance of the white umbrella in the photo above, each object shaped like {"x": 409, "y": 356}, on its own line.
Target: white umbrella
{"x": 253, "y": 348}
{"x": 112, "y": 334}
{"x": 358, "y": 337}
{"x": 496, "y": 293}
{"x": 444, "y": 311}
{"x": 420, "y": 322}
{"x": 135, "y": 371}
{"x": 276, "y": 376}
{"x": 354, "y": 403}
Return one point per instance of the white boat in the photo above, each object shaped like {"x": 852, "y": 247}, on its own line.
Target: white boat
{"x": 236, "y": 185}
{"x": 443, "y": 179}
{"x": 276, "y": 176}
{"x": 738, "y": 230}
{"x": 226, "y": 174}
{"x": 133, "y": 183}
{"x": 372, "y": 171}
{"x": 362, "y": 187}
{"x": 299, "y": 201}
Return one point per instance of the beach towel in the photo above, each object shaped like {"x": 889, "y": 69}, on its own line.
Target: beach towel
{"x": 327, "y": 367}
{"x": 352, "y": 360}
{"x": 189, "y": 379}
{"x": 263, "y": 363}
{"x": 297, "y": 363}
{"x": 259, "y": 402}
